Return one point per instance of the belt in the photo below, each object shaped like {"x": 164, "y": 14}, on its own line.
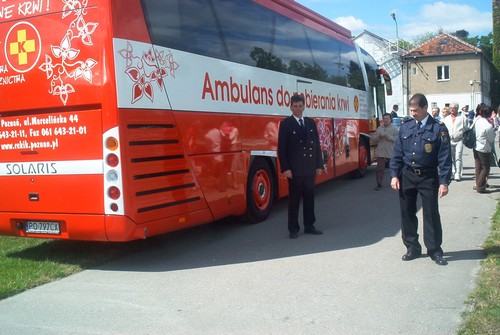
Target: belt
{"x": 419, "y": 171}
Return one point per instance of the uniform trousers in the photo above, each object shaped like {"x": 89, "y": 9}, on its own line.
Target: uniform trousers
{"x": 301, "y": 186}
{"x": 427, "y": 185}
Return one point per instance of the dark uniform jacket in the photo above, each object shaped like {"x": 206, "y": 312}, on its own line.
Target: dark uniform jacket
{"x": 424, "y": 148}
{"x": 298, "y": 150}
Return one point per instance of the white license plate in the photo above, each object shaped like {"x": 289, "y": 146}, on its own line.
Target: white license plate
{"x": 42, "y": 227}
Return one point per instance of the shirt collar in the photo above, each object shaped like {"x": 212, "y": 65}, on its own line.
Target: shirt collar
{"x": 424, "y": 121}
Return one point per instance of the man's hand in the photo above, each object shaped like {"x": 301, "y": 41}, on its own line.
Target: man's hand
{"x": 395, "y": 183}
{"x": 443, "y": 190}
{"x": 288, "y": 174}
{"x": 319, "y": 171}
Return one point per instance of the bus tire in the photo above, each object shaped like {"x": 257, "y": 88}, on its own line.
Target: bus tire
{"x": 261, "y": 191}
{"x": 363, "y": 155}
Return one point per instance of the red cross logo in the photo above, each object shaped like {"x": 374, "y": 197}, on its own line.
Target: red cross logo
{"x": 23, "y": 46}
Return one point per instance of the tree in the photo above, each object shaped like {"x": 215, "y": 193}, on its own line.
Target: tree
{"x": 462, "y": 34}
{"x": 485, "y": 43}
{"x": 496, "y": 34}
{"x": 495, "y": 94}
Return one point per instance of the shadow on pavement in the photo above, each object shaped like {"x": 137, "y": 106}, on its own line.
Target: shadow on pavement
{"x": 349, "y": 212}
{"x": 463, "y": 255}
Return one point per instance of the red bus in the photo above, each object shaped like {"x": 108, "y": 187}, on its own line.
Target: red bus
{"x": 124, "y": 119}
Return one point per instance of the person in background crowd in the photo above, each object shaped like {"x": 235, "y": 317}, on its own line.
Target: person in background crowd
{"x": 493, "y": 119}
{"x": 479, "y": 108}
{"x": 456, "y": 125}
{"x": 465, "y": 110}
{"x": 485, "y": 139}
{"x": 300, "y": 157}
{"x": 421, "y": 164}
{"x": 384, "y": 137}
{"x": 394, "y": 112}
{"x": 435, "y": 113}
{"x": 498, "y": 125}
{"x": 470, "y": 115}
{"x": 445, "y": 112}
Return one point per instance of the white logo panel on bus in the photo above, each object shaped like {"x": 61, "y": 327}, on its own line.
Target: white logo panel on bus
{"x": 145, "y": 76}
{"x": 79, "y": 167}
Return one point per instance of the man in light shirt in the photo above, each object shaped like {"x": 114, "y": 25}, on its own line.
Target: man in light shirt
{"x": 456, "y": 125}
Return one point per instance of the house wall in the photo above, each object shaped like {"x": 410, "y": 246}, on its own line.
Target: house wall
{"x": 464, "y": 85}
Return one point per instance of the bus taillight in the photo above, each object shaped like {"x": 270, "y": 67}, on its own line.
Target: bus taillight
{"x": 114, "y": 207}
{"x": 113, "y": 186}
{"x": 114, "y": 192}
{"x": 112, "y": 160}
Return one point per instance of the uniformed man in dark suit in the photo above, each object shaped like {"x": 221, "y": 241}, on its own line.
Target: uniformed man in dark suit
{"x": 421, "y": 164}
{"x": 299, "y": 154}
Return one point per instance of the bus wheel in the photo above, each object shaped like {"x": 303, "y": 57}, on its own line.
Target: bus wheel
{"x": 363, "y": 160}
{"x": 260, "y": 191}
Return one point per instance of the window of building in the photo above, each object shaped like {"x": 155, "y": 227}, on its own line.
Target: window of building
{"x": 443, "y": 72}
{"x": 414, "y": 70}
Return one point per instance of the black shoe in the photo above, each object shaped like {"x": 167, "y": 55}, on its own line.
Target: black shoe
{"x": 313, "y": 231}
{"x": 439, "y": 260}
{"x": 409, "y": 256}
{"x": 294, "y": 235}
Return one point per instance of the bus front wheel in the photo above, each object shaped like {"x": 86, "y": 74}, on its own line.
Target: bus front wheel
{"x": 260, "y": 192}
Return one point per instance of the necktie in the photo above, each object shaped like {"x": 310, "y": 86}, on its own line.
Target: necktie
{"x": 302, "y": 127}
{"x": 419, "y": 124}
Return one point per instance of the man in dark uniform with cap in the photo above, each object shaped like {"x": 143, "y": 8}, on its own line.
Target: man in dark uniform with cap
{"x": 421, "y": 164}
{"x": 299, "y": 153}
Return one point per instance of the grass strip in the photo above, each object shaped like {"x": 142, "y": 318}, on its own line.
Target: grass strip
{"x": 482, "y": 315}
{"x": 26, "y": 263}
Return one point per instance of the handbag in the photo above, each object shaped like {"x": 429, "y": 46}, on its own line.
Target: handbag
{"x": 493, "y": 158}
{"x": 469, "y": 138}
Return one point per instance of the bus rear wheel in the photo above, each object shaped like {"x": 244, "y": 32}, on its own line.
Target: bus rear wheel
{"x": 260, "y": 192}
{"x": 363, "y": 160}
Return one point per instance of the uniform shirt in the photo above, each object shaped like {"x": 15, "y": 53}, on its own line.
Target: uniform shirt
{"x": 427, "y": 147}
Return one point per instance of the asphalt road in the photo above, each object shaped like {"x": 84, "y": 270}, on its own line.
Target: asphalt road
{"x": 232, "y": 278}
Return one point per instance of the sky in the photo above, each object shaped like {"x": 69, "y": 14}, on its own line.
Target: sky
{"x": 413, "y": 17}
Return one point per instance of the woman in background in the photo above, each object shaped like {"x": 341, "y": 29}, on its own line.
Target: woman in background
{"x": 485, "y": 139}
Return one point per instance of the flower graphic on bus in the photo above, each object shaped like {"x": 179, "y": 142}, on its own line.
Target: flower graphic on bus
{"x": 325, "y": 137}
{"x": 152, "y": 67}
{"x": 63, "y": 64}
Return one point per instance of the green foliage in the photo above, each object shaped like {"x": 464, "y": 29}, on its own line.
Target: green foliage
{"x": 406, "y": 45}
{"x": 496, "y": 34}
{"x": 485, "y": 43}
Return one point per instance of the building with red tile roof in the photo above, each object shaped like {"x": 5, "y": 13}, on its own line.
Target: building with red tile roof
{"x": 447, "y": 69}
